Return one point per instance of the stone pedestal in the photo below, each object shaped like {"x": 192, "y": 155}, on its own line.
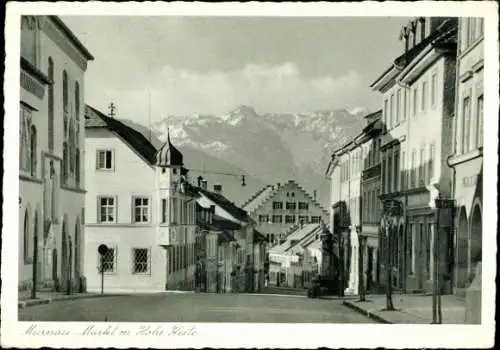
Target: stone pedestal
{"x": 352, "y": 287}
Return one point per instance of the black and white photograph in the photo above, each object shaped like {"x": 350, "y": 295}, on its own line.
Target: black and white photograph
{"x": 232, "y": 174}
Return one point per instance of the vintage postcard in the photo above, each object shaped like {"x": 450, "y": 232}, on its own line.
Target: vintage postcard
{"x": 251, "y": 175}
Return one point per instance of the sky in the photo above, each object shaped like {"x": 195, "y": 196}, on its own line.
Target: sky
{"x": 152, "y": 67}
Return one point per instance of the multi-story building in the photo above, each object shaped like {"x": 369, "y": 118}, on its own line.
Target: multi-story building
{"x": 418, "y": 106}
{"x": 355, "y": 175}
{"x": 370, "y": 203}
{"x": 148, "y": 225}
{"x": 467, "y": 158}
{"x": 276, "y": 208}
{"x": 243, "y": 269}
{"x": 51, "y": 174}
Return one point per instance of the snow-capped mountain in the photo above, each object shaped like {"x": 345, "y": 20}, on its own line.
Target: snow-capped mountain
{"x": 272, "y": 147}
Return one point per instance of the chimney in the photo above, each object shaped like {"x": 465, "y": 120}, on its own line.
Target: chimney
{"x": 218, "y": 188}
{"x": 200, "y": 179}
{"x": 204, "y": 184}
{"x": 421, "y": 23}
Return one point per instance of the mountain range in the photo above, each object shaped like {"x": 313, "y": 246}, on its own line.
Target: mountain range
{"x": 267, "y": 148}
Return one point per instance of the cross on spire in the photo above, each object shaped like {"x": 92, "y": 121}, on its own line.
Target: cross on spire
{"x": 111, "y": 108}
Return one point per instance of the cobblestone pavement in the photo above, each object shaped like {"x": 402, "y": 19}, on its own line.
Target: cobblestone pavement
{"x": 167, "y": 307}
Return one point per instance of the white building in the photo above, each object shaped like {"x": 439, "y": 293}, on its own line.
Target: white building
{"x": 138, "y": 204}
{"x": 467, "y": 159}
{"x": 51, "y": 175}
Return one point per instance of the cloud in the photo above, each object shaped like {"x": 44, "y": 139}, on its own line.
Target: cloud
{"x": 278, "y": 88}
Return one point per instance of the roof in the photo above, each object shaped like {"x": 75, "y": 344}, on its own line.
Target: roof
{"x": 376, "y": 114}
{"x": 257, "y": 236}
{"x": 65, "y": 29}
{"x": 225, "y": 204}
{"x": 96, "y": 119}
{"x": 254, "y": 202}
{"x": 296, "y": 235}
{"x": 168, "y": 155}
{"x": 265, "y": 193}
{"x": 404, "y": 59}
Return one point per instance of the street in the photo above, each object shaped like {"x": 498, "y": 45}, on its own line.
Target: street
{"x": 168, "y": 307}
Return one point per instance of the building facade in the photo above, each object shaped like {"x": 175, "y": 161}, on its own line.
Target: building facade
{"x": 278, "y": 207}
{"x": 467, "y": 158}
{"x": 418, "y": 94}
{"x": 51, "y": 173}
{"x": 148, "y": 225}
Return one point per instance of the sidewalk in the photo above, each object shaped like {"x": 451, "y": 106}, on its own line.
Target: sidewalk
{"x": 416, "y": 309}
{"x": 24, "y": 298}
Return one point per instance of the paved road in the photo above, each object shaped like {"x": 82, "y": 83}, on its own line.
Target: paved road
{"x": 168, "y": 307}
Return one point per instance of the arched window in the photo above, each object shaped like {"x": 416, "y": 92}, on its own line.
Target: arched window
{"x": 33, "y": 150}
{"x": 51, "y": 104}
{"x": 65, "y": 162}
{"x": 26, "y": 236}
{"x": 77, "y": 100}
{"x": 71, "y": 144}
{"x": 77, "y": 166}
{"x": 65, "y": 91}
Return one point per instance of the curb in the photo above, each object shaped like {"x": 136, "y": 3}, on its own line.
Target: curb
{"x": 34, "y": 302}
{"x": 365, "y": 312}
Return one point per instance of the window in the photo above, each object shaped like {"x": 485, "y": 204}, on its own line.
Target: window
{"x": 398, "y": 106}
{"x": 413, "y": 170}
{"x": 77, "y": 167}
{"x": 303, "y": 219}
{"x": 277, "y": 205}
{"x": 433, "y": 89}
{"x": 24, "y": 138}
{"x": 141, "y": 260}
{"x": 27, "y": 239}
{"x": 396, "y": 171}
{"x": 65, "y": 92}
{"x": 424, "y": 96}
{"x": 466, "y": 125}
{"x": 315, "y": 219}
{"x": 293, "y": 194}
{"x": 432, "y": 155}
{"x": 141, "y": 209}
{"x": 289, "y": 219}
{"x": 277, "y": 219}
{"x": 291, "y": 205}
{"x": 479, "y": 122}
{"x": 402, "y": 173}
{"x": 263, "y": 218}
{"x": 107, "y": 210}
{"x": 33, "y": 150}
{"x": 173, "y": 211}
{"x": 104, "y": 159}
{"x": 389, "y": 173}
{"x": 414, "y": 104}
{"x": 303, "y": 205}
{"x": 421, "y": 173}
{"x": 65, "y": 162}
{"x": 392, "y": 115}
{"x": 403, "y": 108}
{"x": 108, "y": 260}
{"x": 77, "y": 101}
{"x": 50, "y": 93}
{"x": 386, "y": 114}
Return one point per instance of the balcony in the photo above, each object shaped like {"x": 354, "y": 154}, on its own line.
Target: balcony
{"x": 168, "y": 235}
{"x": 371, "y": 172}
